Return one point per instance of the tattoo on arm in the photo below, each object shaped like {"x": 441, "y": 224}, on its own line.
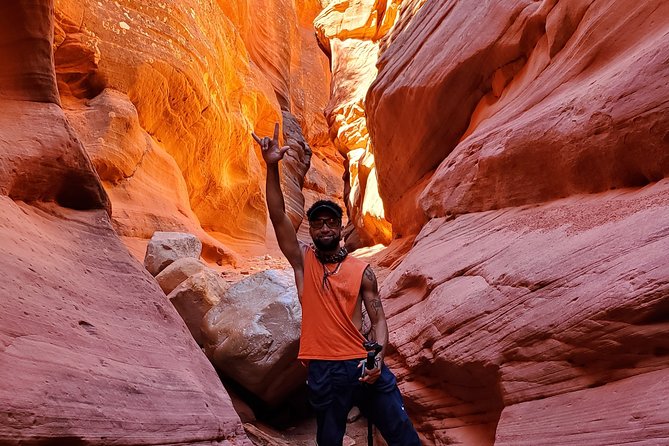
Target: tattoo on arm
{"x": 375, "y": 301}
{"x": 376, "y": 305}
{"x": 369, "y": 274}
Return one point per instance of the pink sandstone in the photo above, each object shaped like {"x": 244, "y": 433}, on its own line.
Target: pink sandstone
{"x": 90, "y": 350}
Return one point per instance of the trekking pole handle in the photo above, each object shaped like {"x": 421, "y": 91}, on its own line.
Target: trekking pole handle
{"x": 371, "y": 357}
{"x": 373, "y": 349}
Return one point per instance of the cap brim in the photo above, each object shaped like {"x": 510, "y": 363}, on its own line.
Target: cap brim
{"x": 325, "y": 207}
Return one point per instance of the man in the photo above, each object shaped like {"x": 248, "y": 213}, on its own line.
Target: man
{"x": 331, "y": 286}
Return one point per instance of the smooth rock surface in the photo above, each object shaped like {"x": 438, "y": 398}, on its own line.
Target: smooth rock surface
{"x": 41, "y": 158}
{"x": 165, "y": 248}
{"x": 178, "y": 271}
{"x": 252, "y": 335}
{"x": 545, "y": 100}
{"x": 90, "y": 349}
{"x": 195, "y": 297}
{"x": 27, "y": 29}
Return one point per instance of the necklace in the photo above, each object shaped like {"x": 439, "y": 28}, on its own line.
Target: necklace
{"x": 338, "y": 257}
{"x": 327, "y": 273}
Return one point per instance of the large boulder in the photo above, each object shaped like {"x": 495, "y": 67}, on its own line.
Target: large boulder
{"x": 252, "y": 335}
{"x": 196, "y": 296}
{"x": 166, "y": 247}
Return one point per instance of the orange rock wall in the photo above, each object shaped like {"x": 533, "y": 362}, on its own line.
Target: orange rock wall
{"x": 192, "y": 80}
{"x": 527, "y": 145}
{"x": 349, "y": 33}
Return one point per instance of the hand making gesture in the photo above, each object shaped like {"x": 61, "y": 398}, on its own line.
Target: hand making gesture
{"x": 272, "y": 153}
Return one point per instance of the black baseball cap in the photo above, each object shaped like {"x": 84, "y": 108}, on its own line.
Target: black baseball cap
{"x": 328, "y": 205}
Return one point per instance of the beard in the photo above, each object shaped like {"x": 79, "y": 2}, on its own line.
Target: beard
{"x": 327, "y": 246}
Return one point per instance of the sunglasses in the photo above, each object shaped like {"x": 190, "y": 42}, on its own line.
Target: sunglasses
{"x": 333, "y": 223}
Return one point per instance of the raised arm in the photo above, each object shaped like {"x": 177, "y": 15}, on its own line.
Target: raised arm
{"x": 283, "y": 228}
{"x": 379, "y": 333}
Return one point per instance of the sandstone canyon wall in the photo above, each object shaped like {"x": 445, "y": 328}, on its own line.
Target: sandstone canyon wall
{"x": 165, "y": 95}
{"x": 350, "y": 34}
{"x": 518, "y": 149}
{"x": 90, "y": 350}
{"x": 526, "y": 143}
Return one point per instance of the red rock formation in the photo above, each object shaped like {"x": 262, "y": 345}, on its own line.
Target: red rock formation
{"x": 90, "y": 351}
{"x": 27, "y": 29}
{"x": 501, "y": 317}
{"x": 513, "y": 323}
{"x": 558, "y": 96}
{"x": 41, "y": 157}
{"x": 532, "y": 308}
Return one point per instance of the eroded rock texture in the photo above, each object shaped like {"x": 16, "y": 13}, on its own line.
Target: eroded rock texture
{"x": 90, "y": 350}
{"x": 533, "y": 308}
{"x": 562, "y": 97}
{"x": 165, "y": 96}
{"x": 349, "y": 32}
{"x": 511, "y": 311}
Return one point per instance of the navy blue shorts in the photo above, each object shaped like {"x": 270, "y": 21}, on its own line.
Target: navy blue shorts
{"x": 334, "y": 389}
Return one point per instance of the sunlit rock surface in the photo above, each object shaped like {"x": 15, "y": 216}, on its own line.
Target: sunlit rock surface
{"x": 349, "y": 33}
{"x": 191, "y": 80}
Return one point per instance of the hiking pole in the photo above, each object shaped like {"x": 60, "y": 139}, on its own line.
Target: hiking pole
{"x": 373, "y": 349}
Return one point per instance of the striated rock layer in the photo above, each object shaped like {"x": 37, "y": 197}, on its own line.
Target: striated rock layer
{"x": 533, "y": 307}
{"x": 503, "y": 316}
{"x": 165, "y": 96}
{"x": 545, "y": 100}
{"x": 349, "y": 33}
{"x": 90, "y": 350}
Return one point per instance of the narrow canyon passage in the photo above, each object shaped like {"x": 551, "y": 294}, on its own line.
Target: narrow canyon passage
{"x": 502, "y": 166}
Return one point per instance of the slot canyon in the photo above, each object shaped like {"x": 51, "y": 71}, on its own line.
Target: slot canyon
{"x": 502, "y": 166}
